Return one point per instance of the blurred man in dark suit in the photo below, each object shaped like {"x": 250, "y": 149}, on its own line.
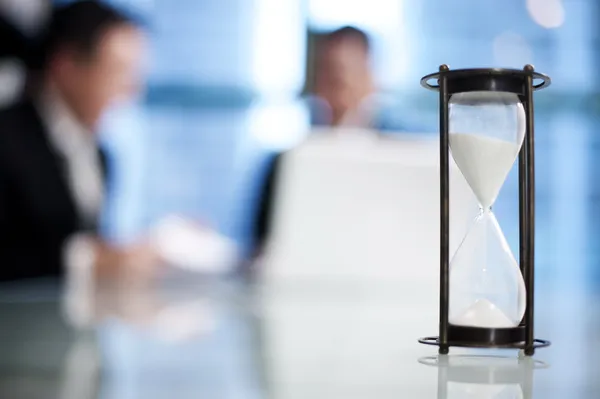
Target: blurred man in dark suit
{"x": 51, "y": 170}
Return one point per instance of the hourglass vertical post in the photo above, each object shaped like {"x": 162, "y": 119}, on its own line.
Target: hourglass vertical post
{"x": 523, "y": 198}
{"x": 530, "y": 161}
{"x": 444, "y": 213}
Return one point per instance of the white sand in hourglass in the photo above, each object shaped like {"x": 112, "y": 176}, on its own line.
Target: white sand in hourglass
{"x": 485, "y": 163}
{"x": 483, "y": 313}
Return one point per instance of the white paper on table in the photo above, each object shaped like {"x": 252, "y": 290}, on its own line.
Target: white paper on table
{"x": 184, "y": 244}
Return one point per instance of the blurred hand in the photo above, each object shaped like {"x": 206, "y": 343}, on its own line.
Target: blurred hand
{"x": 138, "y": 261}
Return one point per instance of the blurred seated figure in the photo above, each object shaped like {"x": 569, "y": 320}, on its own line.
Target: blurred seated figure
{"x": 51, "y": 171}
{"x": 343, "y": 100}
{"x": 343, "y": 81}
{"x": 342, "y": 91}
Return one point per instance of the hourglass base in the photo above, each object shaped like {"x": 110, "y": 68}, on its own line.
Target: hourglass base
{"x": 478, "y": 337}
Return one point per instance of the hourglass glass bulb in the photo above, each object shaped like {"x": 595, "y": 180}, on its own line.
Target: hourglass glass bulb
{"x": 485, "y": 162}
{"x": 487, "y": 289}
{"x": 486, "y": 133}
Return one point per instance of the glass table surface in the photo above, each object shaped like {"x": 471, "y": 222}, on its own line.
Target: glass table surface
{"x": 193, "y": 337}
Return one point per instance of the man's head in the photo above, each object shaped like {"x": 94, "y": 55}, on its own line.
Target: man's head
{"x": 91, "y": 54}
{"x": 343, "y": 70}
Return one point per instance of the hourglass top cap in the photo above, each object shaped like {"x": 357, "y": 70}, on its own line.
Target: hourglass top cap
{"x": 486, "y": 79}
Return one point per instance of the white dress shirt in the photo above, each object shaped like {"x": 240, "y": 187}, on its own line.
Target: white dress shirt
{"x": 77, "y": 145}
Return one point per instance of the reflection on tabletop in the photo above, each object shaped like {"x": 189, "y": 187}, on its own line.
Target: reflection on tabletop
{"x": 189, "y": 335}
{"x": 187, "y": 251}
{"x": 139, "y": 303}
{"x": 482, "y": 377}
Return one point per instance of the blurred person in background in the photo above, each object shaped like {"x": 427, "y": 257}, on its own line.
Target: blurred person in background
{"x": 343, "y": 85}
{"x": 342, "y": 94}
{"x": 51, "y": 171}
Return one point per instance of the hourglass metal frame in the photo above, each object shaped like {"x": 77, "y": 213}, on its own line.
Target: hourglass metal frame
{"x": 522, "y": 83}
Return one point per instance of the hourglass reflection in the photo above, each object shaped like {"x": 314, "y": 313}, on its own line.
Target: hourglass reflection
{"x": 484, "y": 377}
{"x": 486, "y": 123}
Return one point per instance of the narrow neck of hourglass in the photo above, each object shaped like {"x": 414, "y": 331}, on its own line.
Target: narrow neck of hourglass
{"x": 483, "y": 210}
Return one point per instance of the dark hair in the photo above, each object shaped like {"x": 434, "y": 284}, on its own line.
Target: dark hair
{"x": 79, "y": 25}
{"x": 349, "y": 32}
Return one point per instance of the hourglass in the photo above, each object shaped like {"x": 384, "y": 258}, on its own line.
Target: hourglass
{"x": 486, "y": 123}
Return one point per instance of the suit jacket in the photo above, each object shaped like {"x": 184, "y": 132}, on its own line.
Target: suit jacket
{"x": 14, "y": 42}
{"x": 37, "y": 210}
